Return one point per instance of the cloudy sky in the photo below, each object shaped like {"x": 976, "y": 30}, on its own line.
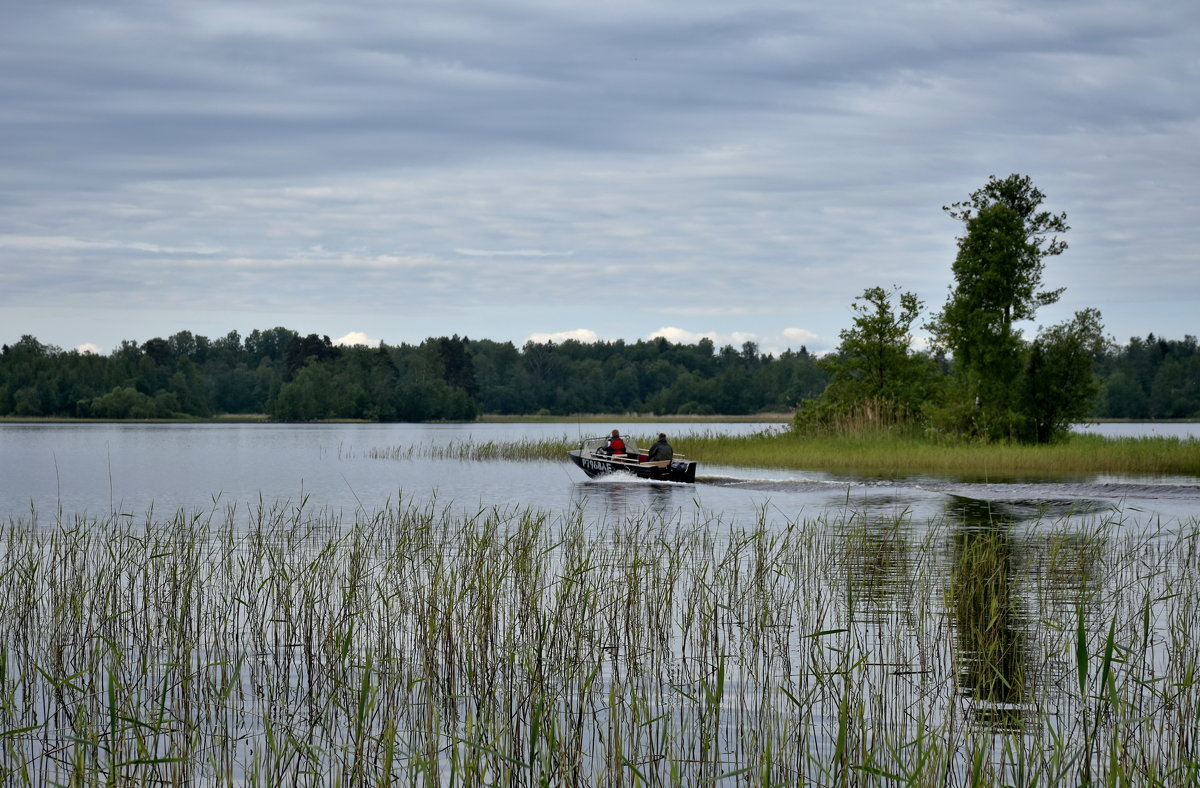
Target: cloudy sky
{"x": 506, "y": 169}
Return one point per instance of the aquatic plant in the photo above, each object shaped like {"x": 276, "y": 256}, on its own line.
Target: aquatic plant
{"x": 935, "y": 454}
{"x": 501, "y": 645}
{"x": 877, "y": 453}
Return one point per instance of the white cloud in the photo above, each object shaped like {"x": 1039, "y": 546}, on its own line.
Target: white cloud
{"x": 788, "y": 339}
{"x": 511, "y": 253}
{"x": 88, "y": 347}
{"x": 578, "y": 334}
{"x": 356, "y": 338}
{"x": 684, "y": 337}
{"x": 681, "y": 336}
{"x": 52, "y": 243}
{"x": 800, "y": 336}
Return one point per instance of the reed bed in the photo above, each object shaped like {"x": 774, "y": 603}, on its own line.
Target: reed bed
{"x": 424, "y": 646}
{"x": 883, "y": 454}
{"x": 469, "y": 450}
{"x": 891, "y": 454}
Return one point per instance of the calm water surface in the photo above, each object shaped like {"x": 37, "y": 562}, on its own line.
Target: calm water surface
{"x": 96, "y": 469}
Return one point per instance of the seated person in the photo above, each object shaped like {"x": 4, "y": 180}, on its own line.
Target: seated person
{"x": 615, "y": 445}
{"x": 661, "y": 452}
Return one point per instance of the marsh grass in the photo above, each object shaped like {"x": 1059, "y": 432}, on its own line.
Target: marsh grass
{"x": 426, "y": 646}
{"x": 880, "y": 453}
{"x": 900, "y": 455}
{"x": 469, "y": 450}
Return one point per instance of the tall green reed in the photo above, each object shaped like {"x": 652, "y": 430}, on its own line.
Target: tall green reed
{"x": 419, "y": 643}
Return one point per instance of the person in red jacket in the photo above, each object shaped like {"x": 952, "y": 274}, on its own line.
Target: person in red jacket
{"x": 615, "y": 445}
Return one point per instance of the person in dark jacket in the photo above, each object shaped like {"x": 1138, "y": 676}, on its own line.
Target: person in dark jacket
{"x": 661, "y": 450}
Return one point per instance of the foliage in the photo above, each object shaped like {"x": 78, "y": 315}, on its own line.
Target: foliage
{"x": 875, "y": 378}
{"x": 1005, "y": 388}
{"x": 1002, "y": 257}
{"x": 999, "y": 386}
{"x": 1151, "y": 378}
{"x": 126, "y": 402}
{"x": 293, "y": 378}
{"x": 1060, "y": 384}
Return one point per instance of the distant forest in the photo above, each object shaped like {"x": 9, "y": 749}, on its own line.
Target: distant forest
{"x": 291, "y": 377}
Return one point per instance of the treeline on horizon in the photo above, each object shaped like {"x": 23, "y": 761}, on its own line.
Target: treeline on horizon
{"x": 290, "y": 377}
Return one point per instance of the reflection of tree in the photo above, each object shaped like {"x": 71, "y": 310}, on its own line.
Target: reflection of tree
{"x": 989, "y": 624}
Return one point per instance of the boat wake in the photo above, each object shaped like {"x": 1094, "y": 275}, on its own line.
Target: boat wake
{"x": 1018, "y": 490}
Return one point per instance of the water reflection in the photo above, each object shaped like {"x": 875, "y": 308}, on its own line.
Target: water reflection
{"x": 619, "y": 499}
{"x": 1071, "y": 565}
{"x": 991, "y": 625}
{"x": 878, "y": 557}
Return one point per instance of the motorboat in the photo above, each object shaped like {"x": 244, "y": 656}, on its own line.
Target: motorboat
{"x": 593, "y": 458}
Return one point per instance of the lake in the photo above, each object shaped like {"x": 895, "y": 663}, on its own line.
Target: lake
{"x": 97, "y": 469}
{"x": 230, "y": 604}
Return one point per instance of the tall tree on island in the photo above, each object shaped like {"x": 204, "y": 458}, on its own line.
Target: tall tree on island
{"x": 998, "y": 280}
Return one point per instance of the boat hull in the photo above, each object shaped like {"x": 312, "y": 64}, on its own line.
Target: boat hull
{"x": 598, "y": 465}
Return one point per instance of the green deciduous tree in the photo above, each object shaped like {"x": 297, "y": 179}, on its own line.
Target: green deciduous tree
{"x": 309, "y": 395}
{"x": 873, "y": 360}
{"x": 126, "y": 402}
{"x": 1002, "y": 257}
{"x": 1060, "y": 381}
{"x": 998, "y": 279}
{"x": 875, "y": 378}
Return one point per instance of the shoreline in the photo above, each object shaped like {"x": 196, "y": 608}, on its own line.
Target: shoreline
{"x": 585, "y": 418}
{"x": 495, "y": 418}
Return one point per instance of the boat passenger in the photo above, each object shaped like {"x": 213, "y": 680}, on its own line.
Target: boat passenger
{"x": 661, "y": 451}
{"x": 615, "y": 445}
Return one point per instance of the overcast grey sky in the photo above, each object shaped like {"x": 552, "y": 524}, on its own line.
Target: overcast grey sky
{"x": 506, "y": 170}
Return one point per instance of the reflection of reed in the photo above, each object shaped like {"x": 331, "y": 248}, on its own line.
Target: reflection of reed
{"x": 989, "y": 624}
{"x": 878, "y": 563}
{"x": 1071, "y": 564}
